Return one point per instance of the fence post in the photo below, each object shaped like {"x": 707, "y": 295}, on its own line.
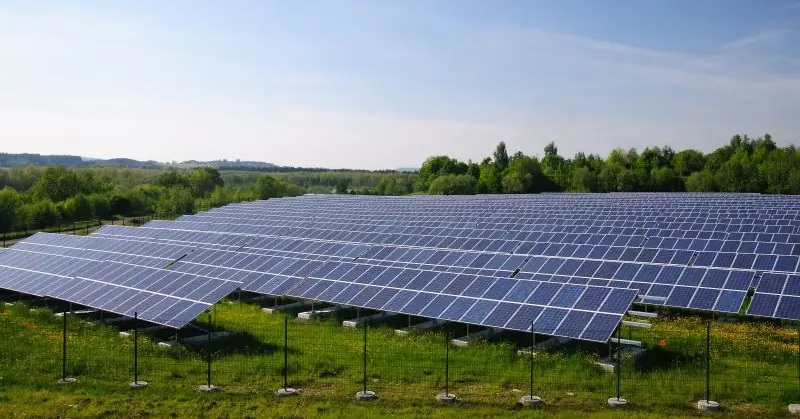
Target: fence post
{"x": 208, "y": 386}
{"x": 708, "y": 404}
{"x": 794, "y": 409}
{"x": 365, "y": 394}
{"x": 618, "y": 401}
{"x": 64, "y": 379}
{"x": 530, "y": 399}
{"x": 446, "y": 397}
{"x": 798, "y": 363}
{"x": 136, "y": 383}
{"x": 286, "y": 390}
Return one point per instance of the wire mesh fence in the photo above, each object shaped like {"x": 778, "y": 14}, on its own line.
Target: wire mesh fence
{"x": 240, "y": 350}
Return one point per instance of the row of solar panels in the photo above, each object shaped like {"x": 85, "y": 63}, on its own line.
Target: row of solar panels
{"x": 748, "y": 255}
{"x": 462, "y": 239}
{"x": 546, "y": 295}
{"x": 486, "y": 260}
{"x": 570, "y": 225}
{"x": 502, "y": 217}
{"x": 157, "y": 295}
{"x": 578, "y": 311}
{"x": 586, "y": 200}
{"x": 471, "y": 207}
{"x": 575, "y": 226}
{"x": 690, "y": 287}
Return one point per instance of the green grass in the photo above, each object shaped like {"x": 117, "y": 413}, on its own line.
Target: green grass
{"x": 753, "y": 371}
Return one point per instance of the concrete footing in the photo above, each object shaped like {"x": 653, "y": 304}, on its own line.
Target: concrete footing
{"x": 707, "y": 405}
{"x": 205, "y": 388}
{"x": 554, "y": 342}
{"x": 87, "y": 311}
{"x": 138, "y": 384}
{"x": 530, "y": 401}
{"x": 118, "y": 319}
{"x": 466, "y": 340}
{"x": 285, "y": 392}
{"x": 366, "y": 395}
{"x": 609, "y": 364}
{"x": 794, "y": 409}
{"x": 430, "y": 324}
{"x": 371, "y": 318}
{"x": 643, "y": 314}
{"x": 617, "y": 402}
{"x": 67, "y": 380}
{"x": 192, "y": 339}
{"x": 309, "y": 315}
{"x": 446, "y": 398}
{"x": 284, "y": 307}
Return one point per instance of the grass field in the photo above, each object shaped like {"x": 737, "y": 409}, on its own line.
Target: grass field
{"x": 753, "y": 371}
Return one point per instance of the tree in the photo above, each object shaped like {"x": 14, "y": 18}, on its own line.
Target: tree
{"x": 56, "y": 184}
{"x": 700, "y": 182}
{"x": 550, "y": 149}
{"x": 393, "y": 185}
{"x": 101, "y": 205}
{"x": 10, "y": 203}
{"x": 501, "y": 157}
{"x": 172, "y": 179}
{"x": 267, "y": 187}
{"x": 524, "y": 175}
{"x": 342, "y": 186}
{"x": 489, "y": 180}
{"x": 689, "y": 161}
{"x": 204, "y": 180}
{"x": 119, "y": 204}
{"x": 176, "y": 201}
{"x": 42, "y": 213}
{"x": 555, "y": 168}
{"x": 437, "y": 166}
{"x": 453, "y": 185}
{"x": 664, "y": 179}
{"x": 583, "y": 180}
{"x": 739, "y": 174}
{"x": 78, "y": 208}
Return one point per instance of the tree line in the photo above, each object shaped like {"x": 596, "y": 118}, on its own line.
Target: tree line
{"x": 36, "y": 197}
{"x": 743, "y": 165}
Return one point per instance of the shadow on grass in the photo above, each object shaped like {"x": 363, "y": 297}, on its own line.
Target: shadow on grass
{"x": 235, "y": 343}
{"x": 660, "y": 359}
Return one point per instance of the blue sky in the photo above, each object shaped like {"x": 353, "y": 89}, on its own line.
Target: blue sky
{"x": 383, "y": 84}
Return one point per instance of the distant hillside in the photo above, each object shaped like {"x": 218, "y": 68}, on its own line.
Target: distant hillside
{"x": 227, "y": 164}
{"x": 28, "y": 159}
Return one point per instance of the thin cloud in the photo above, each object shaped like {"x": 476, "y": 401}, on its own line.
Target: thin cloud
{"x": 77, "y": 83}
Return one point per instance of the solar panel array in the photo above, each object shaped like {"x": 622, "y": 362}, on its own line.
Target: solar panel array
{"x": 571, "y": 264}
{"x": 117, "y": 276}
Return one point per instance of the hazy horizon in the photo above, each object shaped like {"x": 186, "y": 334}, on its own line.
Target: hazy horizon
{"x": 383, "y": 85}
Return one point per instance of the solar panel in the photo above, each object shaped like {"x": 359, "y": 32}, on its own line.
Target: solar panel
{"x": 559, "y": 309}
{"x": 778, "y": 296}
{"x": 699, "y": 251}
{"x": 160, "y": 296}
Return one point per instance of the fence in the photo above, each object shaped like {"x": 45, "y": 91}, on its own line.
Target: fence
{"x": 752, "y": 367}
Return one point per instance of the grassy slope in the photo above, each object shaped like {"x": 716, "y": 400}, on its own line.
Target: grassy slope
{"x": 753, "y": 372}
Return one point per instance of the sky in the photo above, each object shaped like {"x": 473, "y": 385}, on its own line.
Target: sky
{"x": 385, "y": 84}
